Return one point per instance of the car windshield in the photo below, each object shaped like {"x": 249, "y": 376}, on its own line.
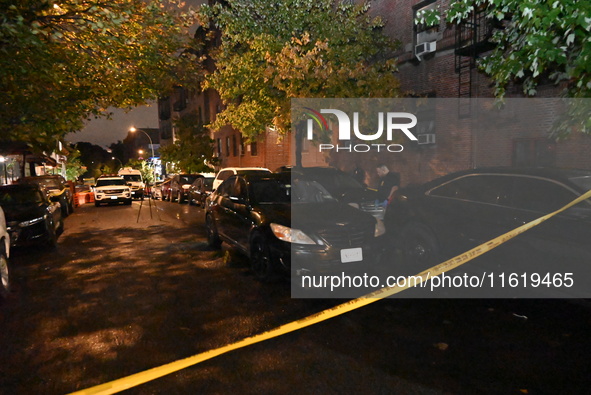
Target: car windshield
{"x": 335, "y": 180}
{"x": 105, "y": 182}
{"x": 271, "y": 191}
{"x": 187, "y": 179}
{"x": 308, "y": 191}
{"x": 10, "y": 196}
{"x": 208, "y": 182}
{"x": 132, "y": 177}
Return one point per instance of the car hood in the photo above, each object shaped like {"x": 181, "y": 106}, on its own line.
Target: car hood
{"x": 23, "y": 212}
{"x": 314, "y": 216}
{"x": 321, "y": 216}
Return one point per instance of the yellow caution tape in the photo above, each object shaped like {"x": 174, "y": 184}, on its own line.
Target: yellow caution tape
{"x": 154, "y": 373}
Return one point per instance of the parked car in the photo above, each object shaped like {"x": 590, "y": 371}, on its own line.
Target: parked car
{"x": 200, "y": 190}
{"x": 342, "y": 186}
{"x": 165, "y": 189}
{"x": 156, "y": 190}
{"x": 452, "y": 214}
{"x": 31, "y": 216}
{"x": 4, "y": 255}
{"x": 316, "y": 234}
{"x": 54, "y": 185}
{"x": 227, "y": 172}
{"x": 179, "y": 186}
{"x": 111, "y": 189}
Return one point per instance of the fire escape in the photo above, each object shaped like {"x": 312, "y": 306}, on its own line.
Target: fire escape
{"x": 472, "y": 39}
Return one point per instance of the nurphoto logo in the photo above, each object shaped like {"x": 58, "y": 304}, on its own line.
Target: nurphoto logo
{"x": 390, "y": 122}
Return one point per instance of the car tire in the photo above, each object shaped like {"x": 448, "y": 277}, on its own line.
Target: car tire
{"x": 128, "y": 202}
{"x": 4, "y": 275}
{"x": 420, "y": 249}
{"x": 97, "y": 203}
{"x": 261, "y": 262}
{"x": 179, "y": 197}
{"x": 213, "y": 238}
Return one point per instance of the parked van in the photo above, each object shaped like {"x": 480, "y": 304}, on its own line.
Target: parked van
{"x": 134, "y": 179}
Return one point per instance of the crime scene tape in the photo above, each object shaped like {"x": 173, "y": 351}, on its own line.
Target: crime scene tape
{"x": 157, "y": 372}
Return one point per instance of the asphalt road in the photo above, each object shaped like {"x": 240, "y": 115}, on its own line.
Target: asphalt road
{"x": 127, "y": 291}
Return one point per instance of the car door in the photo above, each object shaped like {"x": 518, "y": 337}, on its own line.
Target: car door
{"x": 234, "y": 211}
{"x": 468, "y": 211}
{"x": 560, "y": 241}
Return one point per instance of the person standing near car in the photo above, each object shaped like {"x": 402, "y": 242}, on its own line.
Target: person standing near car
{"x": 388, "y": 185}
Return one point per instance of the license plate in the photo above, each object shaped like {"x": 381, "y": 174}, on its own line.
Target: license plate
{"x": 114, "y": 197}
{"x": 351, "y": 255}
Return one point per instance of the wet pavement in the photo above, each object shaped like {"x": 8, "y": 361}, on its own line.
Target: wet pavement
{"x": 127, "y": 291}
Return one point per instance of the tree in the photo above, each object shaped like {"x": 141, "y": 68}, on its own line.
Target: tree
{"x": 64, "y": 61}
{"x": 74, "y": 166}
{"x": 271, "y": 52}
{"x": 540, "y": 40}
{"x": 192, "y": 152}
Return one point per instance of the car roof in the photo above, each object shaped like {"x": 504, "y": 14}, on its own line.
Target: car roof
{"x": 556, "y": 174}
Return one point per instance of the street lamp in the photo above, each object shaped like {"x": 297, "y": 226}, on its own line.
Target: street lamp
{"x": 115, "y": 158}
{"x": 133, "y": 130}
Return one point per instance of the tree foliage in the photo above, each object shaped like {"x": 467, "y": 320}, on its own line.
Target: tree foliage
{"x": 192, "y": 152}
{"x": 539, "y": 41}
{"x": 273, "y": 51}
{"x": 64, "y": 61}
{"x": 74, "y": 166}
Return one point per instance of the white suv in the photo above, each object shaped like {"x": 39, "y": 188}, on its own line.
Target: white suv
{"x": 228, "y": 172}
{"x": 111, "y": 190}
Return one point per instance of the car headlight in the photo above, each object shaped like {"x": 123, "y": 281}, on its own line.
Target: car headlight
{"x": 31, "y": 222}
{"x": 380, "y": 228}
{"x": 290, "y": 235}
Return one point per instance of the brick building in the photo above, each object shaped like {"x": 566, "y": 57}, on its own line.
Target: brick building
{"x": 436, "y": 62}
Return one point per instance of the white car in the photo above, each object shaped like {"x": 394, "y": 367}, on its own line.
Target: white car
{"x": 228, "y": 172}
{"x": 111, "y": 190}
{"x": 4, "y": 254}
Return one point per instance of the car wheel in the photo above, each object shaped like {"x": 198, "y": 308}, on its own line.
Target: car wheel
{"x": 179, "y": 197}
{"x": 128, "y": 202}
{"x": 261, "y": 262}
{"x": 213, "y": 239}
{"x": 97, "y": 203}
{"x": 4, "y": 275}
{"x": 419, "y": 247}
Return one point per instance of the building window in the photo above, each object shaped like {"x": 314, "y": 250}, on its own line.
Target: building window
{"x": 253, "y": 149}
{"x": 219, "y": 147}
{"x": 228, "y": 146}
{"x": 422, "y": 32}
{"x": 234, "y": 146}
{"x": 534, "y": 153}
{"x": 242, "y": 148}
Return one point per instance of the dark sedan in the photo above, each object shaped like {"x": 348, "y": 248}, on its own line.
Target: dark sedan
{"x": 285, "y": 228}
{"x": 452, "y": 214}
{"x": 31, "y": 217}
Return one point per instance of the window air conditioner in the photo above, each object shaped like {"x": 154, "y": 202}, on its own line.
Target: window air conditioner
{"x": 427, "y": 138}
{"x": 425, "y": 48}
